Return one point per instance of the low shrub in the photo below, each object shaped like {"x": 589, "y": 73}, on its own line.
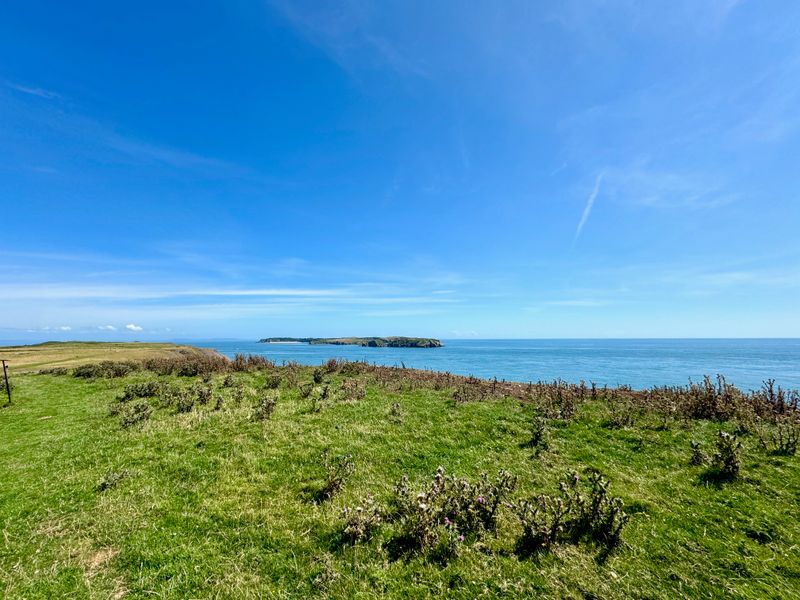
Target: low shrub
{"x": 351, "y": 368}
{"x": 319, "y": 397}
{"x": 542, "y": 519}
{"x": 272, "y": 381}
{"x": 57, "y": 371}
{"x": 396, "y": 412}
{"x": 140, "y": 389}
{"x": 352, "y": 390}
{"x": 184, "y": 401}
{"x": 135, "y": 414}
{"x": 107, "y": 369}
{"x": 202, "y": 394}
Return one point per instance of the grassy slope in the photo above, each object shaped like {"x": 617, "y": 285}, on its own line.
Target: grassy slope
{"x": 216, "y": 504}
{"x": 69, "y": 354}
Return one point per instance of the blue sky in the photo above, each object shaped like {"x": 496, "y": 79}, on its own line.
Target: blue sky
{"x": 573, "y": 168}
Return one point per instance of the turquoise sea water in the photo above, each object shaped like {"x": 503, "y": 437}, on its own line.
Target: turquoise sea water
{"x": 639, "y": 363}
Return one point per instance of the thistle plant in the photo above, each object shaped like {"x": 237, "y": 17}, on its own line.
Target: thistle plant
{"x": 361, "y": 521}
{"x": 337, "y": 470}
{"x": 449, "y": 509}
{"x": 726, "y": 462}
{"x": 111, "y": 479}
{"x": 781, "y": 440}
{"x": 539, "y": 435}
{"x": 265, "y": 406}
{"x": 698, "y": 456}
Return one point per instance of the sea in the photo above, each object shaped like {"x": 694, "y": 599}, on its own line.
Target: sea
{"x": 640, "y": 363}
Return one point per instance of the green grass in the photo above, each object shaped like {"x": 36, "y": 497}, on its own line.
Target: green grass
{"x": 217, "y": 505}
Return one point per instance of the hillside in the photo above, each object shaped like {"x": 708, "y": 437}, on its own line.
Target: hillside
{"x": 69, "y": 354}
{"x": 241, "y": 479}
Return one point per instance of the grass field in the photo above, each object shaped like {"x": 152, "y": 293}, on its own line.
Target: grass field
{"x": 220, "y": 497}
{"x": 69, "y": 354}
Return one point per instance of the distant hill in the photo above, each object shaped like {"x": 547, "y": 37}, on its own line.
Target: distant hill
{"x": 372, "y": 342}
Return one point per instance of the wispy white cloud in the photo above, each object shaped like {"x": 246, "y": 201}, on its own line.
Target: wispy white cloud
{"x": 577, "y": 302}
{"x": 106, "y": 328}
{"x": 32, "y": 91}
{"x": 346, "y": 33}
{"x": 643, "y": 185}
{"x": 65, "y": 328}
{"x": 133, "y": 327}
{"x": 587, "y": 209}
{"x": 122, "y": 292}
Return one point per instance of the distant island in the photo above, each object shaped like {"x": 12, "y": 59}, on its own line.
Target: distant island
{"x": 372, "y": 342}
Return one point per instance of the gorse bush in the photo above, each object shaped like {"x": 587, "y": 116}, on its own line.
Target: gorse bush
{"x": 56, "y": 371}
{"x": 352, "y": 368}
{"x": 184, "y": 401}
{"x": 250, "y": 362}
{"x": 319, "y": 397}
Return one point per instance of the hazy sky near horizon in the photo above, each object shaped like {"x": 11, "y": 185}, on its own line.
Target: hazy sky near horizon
{"x": 574, "y": 168}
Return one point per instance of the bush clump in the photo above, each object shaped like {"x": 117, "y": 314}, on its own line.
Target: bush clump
{"x": 141, "y": 389}
{"x": 265, "y": 406}
{"x": 135, "y": 414}
{"x": 107, "y": 369}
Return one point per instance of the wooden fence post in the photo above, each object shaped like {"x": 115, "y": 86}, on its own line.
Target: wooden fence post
{"x": 5, "y": 376}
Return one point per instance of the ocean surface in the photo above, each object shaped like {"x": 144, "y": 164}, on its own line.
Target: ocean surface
{"x": 639, "y": 363}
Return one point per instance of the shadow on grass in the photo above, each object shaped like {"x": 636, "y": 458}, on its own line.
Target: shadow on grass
{"x": 716, "y": 477}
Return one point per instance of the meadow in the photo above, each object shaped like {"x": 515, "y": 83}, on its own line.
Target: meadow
{"x": 185, "y": 474}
